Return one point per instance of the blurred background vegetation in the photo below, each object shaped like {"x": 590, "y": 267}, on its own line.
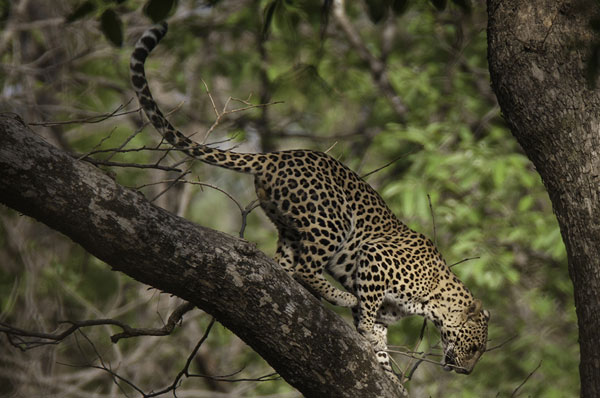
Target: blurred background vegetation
{"x": 453, "y": 171}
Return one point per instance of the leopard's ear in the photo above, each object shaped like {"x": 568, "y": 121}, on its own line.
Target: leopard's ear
{"x": 473, "y": 309}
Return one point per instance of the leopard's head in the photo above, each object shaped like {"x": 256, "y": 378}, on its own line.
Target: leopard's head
{"x": 466, "y": 342}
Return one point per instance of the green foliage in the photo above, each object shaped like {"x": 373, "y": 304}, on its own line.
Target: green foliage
{"x": 159, "y": 10}
{"x": 377, "y": 9}
{"x": 108, "y": 14}
{"x": 84, "y": 9}
{"x": 112, "y": 27}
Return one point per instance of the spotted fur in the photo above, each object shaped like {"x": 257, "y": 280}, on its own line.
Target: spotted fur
{"x": 331, "y": 221}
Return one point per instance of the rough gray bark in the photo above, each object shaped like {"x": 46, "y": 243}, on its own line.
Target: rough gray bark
{"x": 309, "y": 346}
{"x": 538, "y": 54}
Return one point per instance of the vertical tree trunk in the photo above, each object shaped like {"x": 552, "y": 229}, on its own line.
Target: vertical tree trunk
{"x": 538, "y": 54}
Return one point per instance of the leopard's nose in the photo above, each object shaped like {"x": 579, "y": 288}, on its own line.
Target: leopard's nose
{"x": 448, "y": 363}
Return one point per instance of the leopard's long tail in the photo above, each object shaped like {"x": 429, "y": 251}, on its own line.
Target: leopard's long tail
{"x": 247, "y": 163}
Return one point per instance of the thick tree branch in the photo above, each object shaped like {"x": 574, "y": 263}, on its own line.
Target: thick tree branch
{"x": 311, "y": 347}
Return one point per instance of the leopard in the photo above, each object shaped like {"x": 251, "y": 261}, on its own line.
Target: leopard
{"x": 330, "y": 221}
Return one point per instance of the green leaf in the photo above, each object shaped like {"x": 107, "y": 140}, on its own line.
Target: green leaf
{"x": 112, "y": 27}
{"x": 499, "y": 174}
{"x": 158, "y": 10}
{"x": 439, "y": 4}
{"x": 465, "y": 5}
{"x": 525, "y": 203}
{"x": 81, "y": 11}
{"x": 399, "y": 6}
{"x": 4, "y": 10}
{"x": 377, "y": 10}
{"x": 269, "y": 12}
{"x": 325, "y": 12}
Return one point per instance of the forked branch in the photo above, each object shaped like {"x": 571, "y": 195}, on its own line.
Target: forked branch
{"x": 28, "y": 339}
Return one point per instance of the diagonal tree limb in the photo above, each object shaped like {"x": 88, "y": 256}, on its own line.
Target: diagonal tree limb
{"x": 309, "y": 346}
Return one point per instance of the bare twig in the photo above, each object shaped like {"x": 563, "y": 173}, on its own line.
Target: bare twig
{"x": 432, "y": 219}
{"x": 120, "y": 150}
{"x": 331, "y": 147}
{"x": 247, "y": 210}
{"x": 127, "y": 140}
{"x": 408, "y": 374}
{"x": 364, "y": 176}
{"x": 409, "y": 355}
{"x": 502, "y": 344}
{"x": 268, "y": 377}
{"x": 99, "y": 144}
{"x": 115, "y": 377}
{"x": 244, "y": 211}
{"x": 179, "y": 177}
{"x": 203, "y": 184}
{"x": 463, "y": 261}
{"x": 92, "y": 119}
{"x": 184, "y": 371}
{"x": 212, "y": 101}
{"x": 133, "y": 165}
{"x": 224, "y": 112}
{"x": 514, "y": 393}
{"x": 21, "y": 338}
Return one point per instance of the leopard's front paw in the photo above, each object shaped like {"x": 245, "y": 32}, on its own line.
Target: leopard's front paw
{"x": 378, "y": 343}
{"x": 384, "y": 360}
{"x": 344, "y": 299}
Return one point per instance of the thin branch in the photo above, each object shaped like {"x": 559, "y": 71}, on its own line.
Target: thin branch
{"x": 502, "y": 344}
{"x": 268, "y": 377}
{"x": 115, "y": 377}
{"x": 408, "y": 374}
{"x": 184, "y": 371}
{"x": 212, "y": 101}
{"x": 175, "y": 317}
{"x": 224, "y": 112}
{"x": 244, "y": 211}
{"x": 409, "y": 355}
{"x": 127, "y": 140}
{"x": 464, "y": 260}
{"x": 203, "y": 184}
{"x": 99, "y": 144}
{"x": 18, "y": 337}
{"x": 111, "y": 373}
{"x": 91, "y": 119}
{"x": 331, "y": 147}
{"x": 133, "y": 165}
{"x": 514, "y": 393}
{"x": 140, "y": 149}
{"x": 432, "y": 219}
{"x": 179, "y": 177}
{"x": 364, "y": 176}
{"x": 247, "y": 210}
